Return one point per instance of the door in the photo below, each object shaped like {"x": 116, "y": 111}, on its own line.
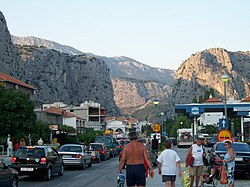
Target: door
{"x": 4, "y": 175}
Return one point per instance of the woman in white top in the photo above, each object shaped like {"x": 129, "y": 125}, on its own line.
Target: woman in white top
{"x": 197, "y": 151}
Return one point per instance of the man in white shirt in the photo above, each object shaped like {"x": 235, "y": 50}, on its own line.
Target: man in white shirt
{"x": 196, "y": 150}
{"x": 168, "y": 164}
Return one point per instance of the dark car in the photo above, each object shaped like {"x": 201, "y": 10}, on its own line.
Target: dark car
{"x": 8, "y": 176}
{"x": 242, "y": 159}
{"x": 38, "y": 160}
{"x": 210, "y": 141}
{"x": 110, "y": 142}
{"x": 173, "y": 140}
{"x": 101, "y": 148}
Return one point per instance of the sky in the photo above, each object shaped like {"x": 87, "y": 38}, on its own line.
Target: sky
{"x": 159, "y": 33}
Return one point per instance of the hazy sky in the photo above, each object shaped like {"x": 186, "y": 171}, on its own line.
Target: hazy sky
{"x": 160, "y": 33}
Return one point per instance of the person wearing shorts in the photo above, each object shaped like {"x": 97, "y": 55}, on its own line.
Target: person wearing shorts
{"x": 168, "y": 163}
{"x": 134, "y": 155}
{"x": 197, "y": 151}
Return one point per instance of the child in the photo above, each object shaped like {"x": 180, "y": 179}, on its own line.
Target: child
{"x": 209, "y": 178}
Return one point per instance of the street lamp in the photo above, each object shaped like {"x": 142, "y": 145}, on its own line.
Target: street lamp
{"x": 156, "y": 102}
{"x": 181, "y": 123}
{"x": 224, "y": 79}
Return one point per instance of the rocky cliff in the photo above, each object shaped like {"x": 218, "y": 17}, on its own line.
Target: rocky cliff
{"x": 57, "y": 76}
{"x": 134, "y": 83}
{"x": 133, "y": 94}
{"x": 200, "y": 75}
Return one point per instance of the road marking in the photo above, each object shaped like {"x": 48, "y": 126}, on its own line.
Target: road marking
{"x": 78, "y": 176}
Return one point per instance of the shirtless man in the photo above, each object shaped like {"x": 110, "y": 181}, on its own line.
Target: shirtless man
{"x": 134, "y": 154}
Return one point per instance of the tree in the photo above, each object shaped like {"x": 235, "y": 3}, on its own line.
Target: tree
{"x": 16, "y": 113}
{"x": 89, "y": 136}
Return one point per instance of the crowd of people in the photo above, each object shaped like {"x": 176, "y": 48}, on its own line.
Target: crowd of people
{"x": 136, "y": 157}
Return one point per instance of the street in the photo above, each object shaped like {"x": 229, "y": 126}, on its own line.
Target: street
{"x": 105, "y": 174}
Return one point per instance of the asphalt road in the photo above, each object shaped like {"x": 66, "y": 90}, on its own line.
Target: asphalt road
{"x": 100, "y": 174}
{"x": 104, "y": 174}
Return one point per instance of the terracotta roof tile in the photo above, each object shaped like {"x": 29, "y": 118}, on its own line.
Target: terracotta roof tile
{"x": 212, "y": 100}
{"x": 7, "y": 78}
{"x": 55, "y": 110}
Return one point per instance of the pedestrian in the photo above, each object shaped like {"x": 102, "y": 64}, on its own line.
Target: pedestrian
{"x": 229, "y": 161}
{"x": 134, "y": 154}
{"x": 22, "y": 143}
{"x": 10, "y": 148}
{"x": 17, "y": 145}
{"x": 40, "y": 141}
{"x": 197, "y": 151}
{"x": 155, "y": 144}
{"x": 168, "y": 164}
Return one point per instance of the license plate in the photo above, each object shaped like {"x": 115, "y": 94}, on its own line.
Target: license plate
{"x": 67, "y": 156}
{"x": 27, "y": 169}
{"x": 238, "y": 159}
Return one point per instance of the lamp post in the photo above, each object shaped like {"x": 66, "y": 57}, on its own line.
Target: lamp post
{"x": 224, "y": 79}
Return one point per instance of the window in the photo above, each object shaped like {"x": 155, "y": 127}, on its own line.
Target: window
{"x": 71, "y": 149}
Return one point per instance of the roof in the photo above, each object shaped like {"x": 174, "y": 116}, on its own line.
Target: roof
{"x": 247, "y": 99}
{"x": 7, "y": 78}
{"x": 55, "y": 110}
{"x": 212, "y": 100}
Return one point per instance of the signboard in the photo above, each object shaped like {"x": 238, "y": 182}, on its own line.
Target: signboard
{"x": 241, "y": 109}
{"x": 195, "y": 110}
{"x": 156, "y": 127}
{"x": 223, "y": 123}
{"x": 224, "y": 135}
{"x": 158, "y": 136}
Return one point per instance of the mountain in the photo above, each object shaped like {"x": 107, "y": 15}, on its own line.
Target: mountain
{"x": 57, "y": 76}
{"x": 141, "y": 82}
{"x": 135, "y": 94}
{"x": 31, "y": 40}
{"x": 200, "y": 74}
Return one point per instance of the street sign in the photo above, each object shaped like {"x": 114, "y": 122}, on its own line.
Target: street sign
{"x": 195, "y": 110}
{"x": 156, "y": 127}
{"x": 241, "y": 109}
{"x": 223, "y": 123}
{"x": 224, "y": 135}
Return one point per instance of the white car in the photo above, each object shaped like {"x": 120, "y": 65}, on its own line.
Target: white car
{"x": 75, "y": 155}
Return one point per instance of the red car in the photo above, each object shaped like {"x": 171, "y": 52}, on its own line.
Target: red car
{"x": 102, "y": 148}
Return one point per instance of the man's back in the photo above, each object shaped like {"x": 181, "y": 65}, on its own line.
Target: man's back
{"x": 134, "y": 153}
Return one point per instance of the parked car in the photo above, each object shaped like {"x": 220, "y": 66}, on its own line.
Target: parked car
{"x": 8, "y": 176}
{"x": 210, "y": 141}
{"x": 37, "y": 160}
{"x": 95, "y": 150}
{"x": 110, "y": 142}
{"x": 242, "y": 159}
{"x": 75, "y": 155}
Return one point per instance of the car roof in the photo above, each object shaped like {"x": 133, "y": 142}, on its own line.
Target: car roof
{"x": 73, "y": 145}
{"x": 35, "y": 146}
{"x": 98, "y": 143}
{"x": 232, "y": 142}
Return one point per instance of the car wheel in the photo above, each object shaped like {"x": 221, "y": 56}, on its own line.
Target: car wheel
{"x": 14, "y": 182}
{"x": 90, "y": 164}
{"x": 98, "y": 160}
{"x": 48, "y": 175}
{"x": 61, "y": 171}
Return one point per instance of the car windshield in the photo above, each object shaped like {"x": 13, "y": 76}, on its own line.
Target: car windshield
{"x": 29, "y": 152}
{"x": 70, "y": 149}
{"x": 95, "y": 147}
{"x": 235, "y": 146}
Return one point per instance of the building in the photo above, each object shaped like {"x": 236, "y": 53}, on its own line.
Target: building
{"x": 57, "y": 116}
{"x": 121, "y": 124}
{"x": 93, "y": 114}
{"x": 14, "y": 84}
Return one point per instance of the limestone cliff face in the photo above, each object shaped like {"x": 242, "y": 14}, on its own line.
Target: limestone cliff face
{"x": 133, "y": 94}
{"x": 10, "y": 62}
{"x": 71, "y": 79}
{"x": 202, "y": 72}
